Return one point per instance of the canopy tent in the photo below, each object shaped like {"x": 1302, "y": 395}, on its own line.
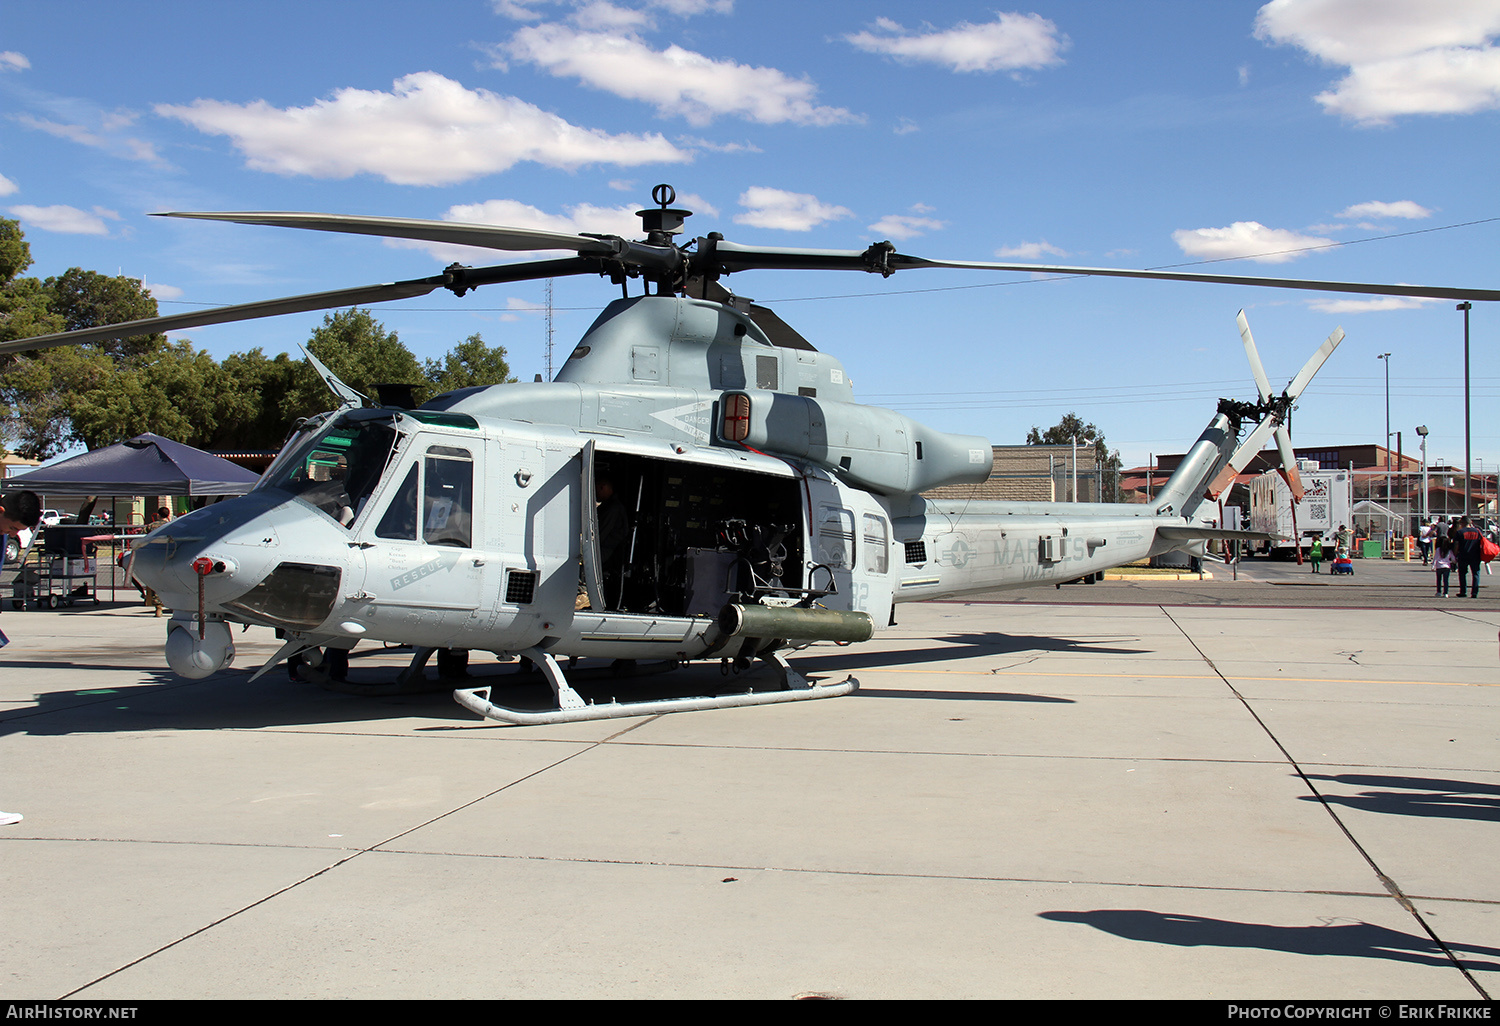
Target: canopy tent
{"x": 144, "y": 465}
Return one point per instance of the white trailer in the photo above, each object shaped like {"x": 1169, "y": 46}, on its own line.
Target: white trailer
{"x": 1327, "y": 502}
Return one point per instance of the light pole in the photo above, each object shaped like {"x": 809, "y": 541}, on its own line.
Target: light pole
{"x": 1468, "y": 485}
{"x": 1387, "y": 358}
{"x": 1422, "y": 432}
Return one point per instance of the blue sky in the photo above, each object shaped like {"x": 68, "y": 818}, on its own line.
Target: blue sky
{"x": 1137, "y": 134}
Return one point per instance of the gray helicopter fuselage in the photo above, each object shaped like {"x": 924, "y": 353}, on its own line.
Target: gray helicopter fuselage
{"x": 742, "y": 470}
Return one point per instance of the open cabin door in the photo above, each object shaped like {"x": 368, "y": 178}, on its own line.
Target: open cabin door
{"x": 593, "y": 573}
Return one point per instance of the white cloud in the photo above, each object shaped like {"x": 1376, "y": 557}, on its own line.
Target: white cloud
{"x": 428, "y": 130}
{"x": 163, "y": 291}
{"x": 1375, "y": 208}
{"x": 1343, "y": 306}
{"x": 687, "y": 8}
{"x": 7, "y": 186}
{"x": 1403, "y": 57}
{"x": 65, "y": 219}
{"x": 121, "y": 146}
{"x": 1248, "y": 239}
{"x": 789, "y": 211}
{"x": 678, "y": 82}
{"x": 516, "y": 10}
{"x": 604, "y": 17}
{"x": 1030, "y": 250}
{"x": 699, "y": 143}
{"x": 12, "y": 61}
{"x": 906, "y": 226}
{"x": 1012, "y": 42}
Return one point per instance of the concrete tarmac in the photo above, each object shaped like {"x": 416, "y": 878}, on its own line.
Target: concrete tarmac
{"x": 1056, "y": 797}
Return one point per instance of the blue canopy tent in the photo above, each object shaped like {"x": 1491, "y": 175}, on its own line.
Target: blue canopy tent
{"x": 144, "y": 465}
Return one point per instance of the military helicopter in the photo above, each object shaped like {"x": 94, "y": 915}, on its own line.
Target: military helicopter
{"x": 697, "y": 481}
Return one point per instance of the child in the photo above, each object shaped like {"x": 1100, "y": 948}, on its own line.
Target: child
{"x": 1444, "y": 559}
{"x": 1315, "y": 554}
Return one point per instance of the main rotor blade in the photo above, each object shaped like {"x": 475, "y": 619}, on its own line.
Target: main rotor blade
{"x": 455, "y": 233}
{"x": 460, "y": 279}
{"x": 732, "y": 257}
{"x": 1262, "y": 382}
{"x": 225, "y": 314}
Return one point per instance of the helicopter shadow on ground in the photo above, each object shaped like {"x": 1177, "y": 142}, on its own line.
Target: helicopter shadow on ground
{"x": 161, "y": 700}
{"x": 228, "y": 700}
{"x": 1416, "y": 796}
{"x": 1340, "y": 938}
{"x": 955, "y": 646}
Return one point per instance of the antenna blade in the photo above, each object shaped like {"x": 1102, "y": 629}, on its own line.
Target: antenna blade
{"x": 1305, "y": 375}
{"x": 1262, "y": 382}
{"x": 347, "y": 396}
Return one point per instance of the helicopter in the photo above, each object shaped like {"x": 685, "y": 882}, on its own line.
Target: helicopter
{"x": 697, "y": 481}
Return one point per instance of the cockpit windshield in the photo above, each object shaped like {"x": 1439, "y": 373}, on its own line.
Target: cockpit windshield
{"x": 337, "y": 469}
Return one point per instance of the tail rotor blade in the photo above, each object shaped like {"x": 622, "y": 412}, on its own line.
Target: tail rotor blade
{"x": 1256, "y": 367}
{"x": 1305, "y": 375}
{"x": 1289, "y": 461}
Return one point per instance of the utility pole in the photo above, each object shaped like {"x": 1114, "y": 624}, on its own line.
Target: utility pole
{"x": 1468, "y": 452}
{"x": 548, "y": 293}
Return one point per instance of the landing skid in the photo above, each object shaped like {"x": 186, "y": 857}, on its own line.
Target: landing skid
{"x": 571, "y": 707}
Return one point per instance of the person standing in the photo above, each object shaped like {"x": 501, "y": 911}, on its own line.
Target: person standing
{"x": 1442, "y": 565}
{"x": 1315, "y": 554}
{"x": 1468, "y": 549}
{"x": 19, "y": 511}
{"x": 1424, "y": 540}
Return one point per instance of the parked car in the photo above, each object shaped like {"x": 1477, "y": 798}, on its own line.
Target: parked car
{"x": 51, "y": 518}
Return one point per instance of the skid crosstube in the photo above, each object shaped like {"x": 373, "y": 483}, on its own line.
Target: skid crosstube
{"x": 571, "y": 708}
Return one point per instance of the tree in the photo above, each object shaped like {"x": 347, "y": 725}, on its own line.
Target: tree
{"x": 1072, "y": 427}
{"x": 40, "y": 391}
{"x": 176, "y": 391}
{"x": 88, "y": 299}
{"x": 467, "y": 364}
{"x": 15, "y": 253}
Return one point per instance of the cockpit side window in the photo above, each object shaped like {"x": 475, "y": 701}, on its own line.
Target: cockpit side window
{"x": 448, "y": 497}
{"x": 400, "y": 520}
{"x": 444, "y": 483}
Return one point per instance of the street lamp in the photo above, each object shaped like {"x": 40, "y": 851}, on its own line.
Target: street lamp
{"x": 1468, "y": 485}
{"x": 1387, "y": 358}
{"x": 1422, "y": 431}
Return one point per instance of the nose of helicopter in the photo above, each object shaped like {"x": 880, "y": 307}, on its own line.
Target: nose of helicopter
{"x": 263, "y": 557}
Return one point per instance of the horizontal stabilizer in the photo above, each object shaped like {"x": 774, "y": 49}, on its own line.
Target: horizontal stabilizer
{"x": 1192, "y": 534}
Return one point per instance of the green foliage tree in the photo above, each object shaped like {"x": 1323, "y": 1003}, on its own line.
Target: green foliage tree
{"x": 1072, "y": 427}
{"x": 176, "y": 391}
{"x": 41, "y": 391}
{"x": 15, "y": 253}
{"x": 467, "y": 364}
{"x": 88, "y": 299}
